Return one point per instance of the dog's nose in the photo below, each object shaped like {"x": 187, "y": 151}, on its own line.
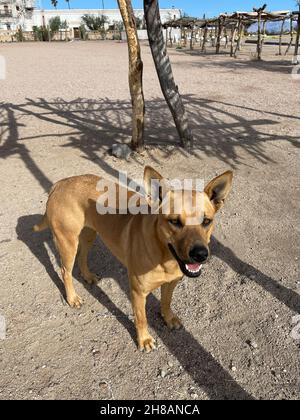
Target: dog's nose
{"x": 198, "y": 253}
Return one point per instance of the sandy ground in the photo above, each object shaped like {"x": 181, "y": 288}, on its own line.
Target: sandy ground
{"x": 62, "y": 106}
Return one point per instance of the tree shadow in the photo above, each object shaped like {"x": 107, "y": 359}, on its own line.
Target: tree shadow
{"x": 97, "y": 124}
{"x": 10, "y": 145}
{"x": 197, "y": 362}
{"x": 283, "y": 294}
{"x": 239, "y": 64}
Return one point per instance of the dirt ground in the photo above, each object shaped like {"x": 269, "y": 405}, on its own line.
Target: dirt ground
{"x": 61, "y": 108}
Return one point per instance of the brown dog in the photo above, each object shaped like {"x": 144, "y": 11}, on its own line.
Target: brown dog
{"x": 157, "y": 249}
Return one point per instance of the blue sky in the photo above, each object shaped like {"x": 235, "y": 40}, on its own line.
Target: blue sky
{"x": 192, "y": 7}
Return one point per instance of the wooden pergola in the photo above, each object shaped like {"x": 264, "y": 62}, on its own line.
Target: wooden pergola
{"x": 232, "y": 26}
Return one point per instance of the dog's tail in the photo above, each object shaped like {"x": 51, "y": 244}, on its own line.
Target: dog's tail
{"x": 44, "y": 222}
{"x": 42, "y": 225}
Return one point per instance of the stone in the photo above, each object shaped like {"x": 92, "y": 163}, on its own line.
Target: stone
{"x": 121, "y": 151}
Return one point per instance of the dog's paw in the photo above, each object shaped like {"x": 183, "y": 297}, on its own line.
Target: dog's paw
{"x": 173, "y": 322}
{"x": 91, "y": 278}
{"x": 75, "y": 301}
{"x": 146, "y": 344}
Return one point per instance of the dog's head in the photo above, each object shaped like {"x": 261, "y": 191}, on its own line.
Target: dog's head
{"x": 186, "y": 218}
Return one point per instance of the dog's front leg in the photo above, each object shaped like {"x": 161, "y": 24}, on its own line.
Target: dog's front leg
{"x": 168, "y": 315}
{"x": 138, "y": 299}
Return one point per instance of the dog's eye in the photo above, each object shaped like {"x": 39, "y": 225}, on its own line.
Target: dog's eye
{"x": 206, "y": 221}
{"x": 175, "y": 222}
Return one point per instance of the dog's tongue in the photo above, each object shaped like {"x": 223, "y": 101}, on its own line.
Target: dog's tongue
{"x": 193, "y": 267}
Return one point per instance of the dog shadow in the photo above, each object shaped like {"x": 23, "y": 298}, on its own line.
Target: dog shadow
{"x": 197, "y": 362}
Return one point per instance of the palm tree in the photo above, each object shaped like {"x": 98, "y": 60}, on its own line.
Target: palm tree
{"x": 54, "y": 3}
{"x": 68, "y": 1}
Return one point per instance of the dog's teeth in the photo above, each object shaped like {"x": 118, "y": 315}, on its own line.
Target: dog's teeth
{"x": 193, "y": 271}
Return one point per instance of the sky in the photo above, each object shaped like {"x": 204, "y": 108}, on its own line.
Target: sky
{"x": 194, "y": 8}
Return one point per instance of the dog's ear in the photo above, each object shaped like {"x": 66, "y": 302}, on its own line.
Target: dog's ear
{"x": 155, "y": 186}
{"x": 218, "y": 189}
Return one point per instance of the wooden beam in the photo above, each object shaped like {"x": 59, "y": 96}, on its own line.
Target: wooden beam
{"x": 135, "y": 75}
{"x": 165, "y": 73}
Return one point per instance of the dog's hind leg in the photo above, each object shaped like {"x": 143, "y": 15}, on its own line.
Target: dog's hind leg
{"x": 67, "y": 247}
{"x": 86, "y": 240}
{"x": 169, "y": 317}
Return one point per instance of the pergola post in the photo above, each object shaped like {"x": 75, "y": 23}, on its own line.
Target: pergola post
{"x": 259, "y": 30}
{"x": 219, "y": 34}
{"x": 226, "y": 37}
{"x": 166, "y": 37}
{"x": 240, "y": 35}
{"x": 171, "y": 39}
{"x": 200, "y": 32}
{"x": 296, "y": 56}
{"x": 259, "y": 44}
{"x": 214, "y": 36}
{"x": 165, "y": 73}
{"x": 291, "y": 35}
{"x": 192, "y": 36}
{"x": 280, "y": 37}
{"x": 264, "y": 32}
{"x": 204, "y": 38}
{"x": 135, "y": 75}
{"x": 233, "y": 35}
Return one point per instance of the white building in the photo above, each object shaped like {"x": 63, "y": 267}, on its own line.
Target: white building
{"x": 24, "y": 14}
{"x": 16, "y": 13}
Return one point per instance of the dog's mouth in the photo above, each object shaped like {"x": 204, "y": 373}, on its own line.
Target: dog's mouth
{"x": 188, "y": 269}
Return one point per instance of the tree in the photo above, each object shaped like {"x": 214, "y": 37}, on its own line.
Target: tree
{"x": 95, "y": 23}
{"x": 139, "y": 22}
{"x": 119, "y": 27}
{"x": 68, "y": 1}
{"x": 64, "y": 25}
{"x": 55, "y": 24}
{"x": 135, "y": 75}
{"x": 164, "y": 71}
{"x": 54, "y": 3}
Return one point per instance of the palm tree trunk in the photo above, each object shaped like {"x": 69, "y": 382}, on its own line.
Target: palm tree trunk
{"x": 164, "y": 71}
